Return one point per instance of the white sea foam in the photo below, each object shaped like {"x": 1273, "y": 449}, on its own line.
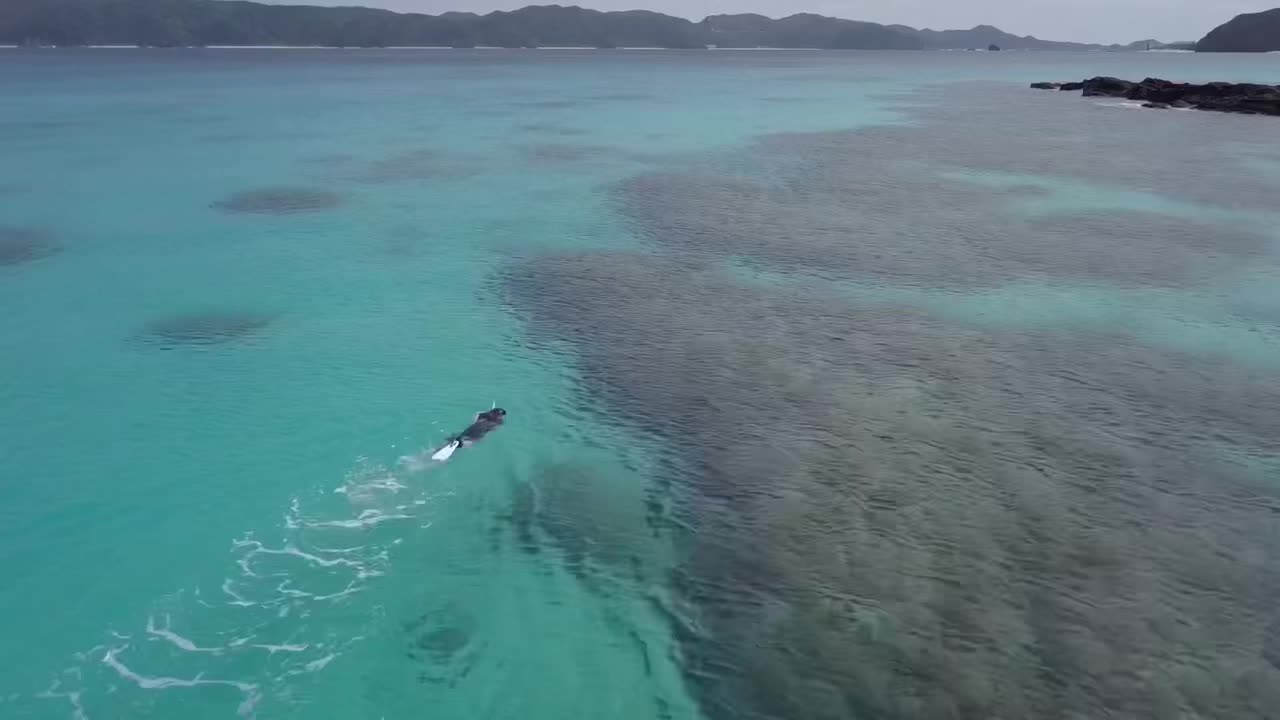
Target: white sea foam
{"x": 72, "y": 696}
{"x": 340, "y": 551}
{"x": 236, "y": 598}
{"x": 318, "y": 665}
{"x": 182, "y": 643}
{"x": 146, "y": 682}
{"x": 417, "y": 462}
{"x": 292, "y": 551}
{"x": 280, "y": 576}
{"x": 1121, "y": 104}
{"x": 82, "y": 656}
{"x": 368, "y": 518}
{"x": 351, "y": 589}
{"x": 245, "y": 568}
{"x": 291, "y": 518}
{"x": 284, "y": 588}
{"x": 273, "y": 649}
{"x": 374, "y": 486}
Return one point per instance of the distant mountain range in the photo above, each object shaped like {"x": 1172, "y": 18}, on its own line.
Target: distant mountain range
{"x": 168, "y": 23}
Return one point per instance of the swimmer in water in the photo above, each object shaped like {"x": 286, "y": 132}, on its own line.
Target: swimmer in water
{"x": 485, "y": 422}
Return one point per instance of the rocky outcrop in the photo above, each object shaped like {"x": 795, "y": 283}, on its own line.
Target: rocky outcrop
{"x": 1107, "y": 87}
{"x": 1252, "y": 32}
{"x": 1246, "y": 98}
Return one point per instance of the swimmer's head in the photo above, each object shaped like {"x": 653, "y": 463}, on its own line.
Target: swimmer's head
{"x": 497, "y": 413}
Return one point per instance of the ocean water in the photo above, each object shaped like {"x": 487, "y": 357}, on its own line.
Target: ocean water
{"x": 841, "y": 385}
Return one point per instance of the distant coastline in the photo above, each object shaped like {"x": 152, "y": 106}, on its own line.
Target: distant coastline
{"x": 543, "y": 48}
{"x": 577, "y": 48}
{"x": 214, "y": 23}
{"x": 243, "y": 24}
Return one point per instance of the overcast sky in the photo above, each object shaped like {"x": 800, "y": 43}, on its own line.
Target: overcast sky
{"x": 1081, "y": 20}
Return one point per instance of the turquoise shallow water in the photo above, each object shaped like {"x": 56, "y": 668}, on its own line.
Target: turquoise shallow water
{"x": 217, "y": 407}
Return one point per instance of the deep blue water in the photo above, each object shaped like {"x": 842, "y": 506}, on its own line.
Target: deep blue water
{"x": 841, "y": 385}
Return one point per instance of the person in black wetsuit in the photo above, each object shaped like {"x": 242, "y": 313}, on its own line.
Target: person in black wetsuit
{"x": 485, "y": 421}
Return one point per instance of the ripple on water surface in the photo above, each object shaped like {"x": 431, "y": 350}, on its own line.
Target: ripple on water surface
{"x": 279, "y": 201}
{"x": 21, "y": 245}
{"x": 415, "y": 165}
{"x": 565, "y": 152}
{"x": 204, "y": 329}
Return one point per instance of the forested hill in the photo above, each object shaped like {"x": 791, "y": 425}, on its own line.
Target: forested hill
{"x": 234, "y": 22}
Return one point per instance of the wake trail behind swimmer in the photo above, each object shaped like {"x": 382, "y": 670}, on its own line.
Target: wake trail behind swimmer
{"x": 485, "y": 422}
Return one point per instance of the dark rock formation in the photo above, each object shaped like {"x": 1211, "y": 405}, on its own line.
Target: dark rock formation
{"x": 1071, "y": 86}
{"x": 1156, "y": 91}
{"x": 1045, "y": 86}
{"x": 993, "y": 48}
{"x": 1253, "y": 32}
{"x": 1245, "y": 98}
{"x": 1106, "y": 87}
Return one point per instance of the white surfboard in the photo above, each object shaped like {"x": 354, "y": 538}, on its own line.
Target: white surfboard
{"x": 446, "y": 452}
